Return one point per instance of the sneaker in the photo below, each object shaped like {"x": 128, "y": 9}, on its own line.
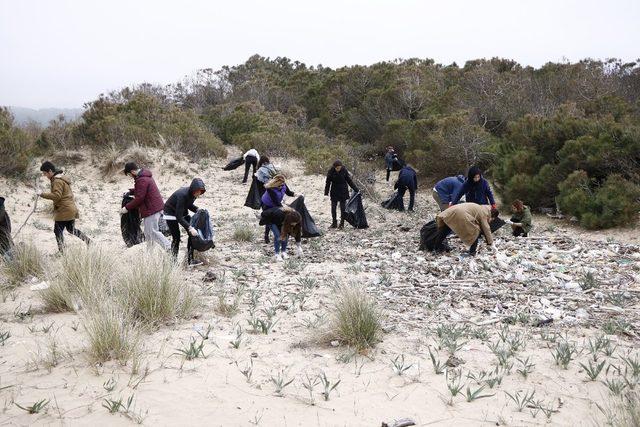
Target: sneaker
{"x": 278, "y": 258}
{"x": 284, "y": 255}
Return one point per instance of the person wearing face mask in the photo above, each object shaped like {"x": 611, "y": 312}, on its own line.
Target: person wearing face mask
{"x": 476, "y": 189}
{"x": 176, "y": 213}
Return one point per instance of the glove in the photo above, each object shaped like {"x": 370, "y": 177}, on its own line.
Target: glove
{"x": 193, "y": 231}
{"x": 299, "y": 251}
{"x": 39, "y": 193}
{"x": 493, "y": 206}
{"x": 123, "y": 211}
{"x": 517, "y": 224}
{"x": 508, "y": 221}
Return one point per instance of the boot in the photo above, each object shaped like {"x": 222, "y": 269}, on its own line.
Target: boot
{"x": 341, "y": 224}
{"x": 266, "y": 236}
{"x": 334, "y": 224}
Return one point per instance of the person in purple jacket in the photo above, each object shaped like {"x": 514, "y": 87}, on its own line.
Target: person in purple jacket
{"x": 475, "y": 189}
{"x": 148, "y": 201}
{"x": 275, "y": 190}
{"x": 445, "y": 189}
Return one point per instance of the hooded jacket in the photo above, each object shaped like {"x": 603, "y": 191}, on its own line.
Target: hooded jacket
{"x": 407, "y": 178}
{"x": 147, "y": 198}
{"x": 181, "y": 201}
{"x": 336, "y": 184}
{"x": 475, "y": 192}
{"x": 449, "y": 187}
{"x": 265, "y": 173}
{"x": 64, "y": 206}
{"x": 467, "y": 220}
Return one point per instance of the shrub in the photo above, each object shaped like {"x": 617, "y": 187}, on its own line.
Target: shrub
{"x": 16, "y": 148}
{"x": 318, "y": 160}
{"x": 615, "y": 202}
{"x": 153, "y": 287}
{"x": 57, "y": 298}
{"x": 355, "y": 318}
{"x": 23, "y": 261}
{"x": 112, "y": 333}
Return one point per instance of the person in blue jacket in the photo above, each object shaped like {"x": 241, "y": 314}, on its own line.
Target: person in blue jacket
{"x": 476, "y": 189}
{"x": 445, "y": 189}
{"x": 407, "y": 180}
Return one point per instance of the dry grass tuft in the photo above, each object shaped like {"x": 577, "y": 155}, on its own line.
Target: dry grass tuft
{"x": 81, "y": 280}
{"x": 153, "y": 287}
{"x": 243, "y": 233}
{"x": 355, "y": 318}
{"x": 23, "y": 261}
{"x": 112, "y": 333}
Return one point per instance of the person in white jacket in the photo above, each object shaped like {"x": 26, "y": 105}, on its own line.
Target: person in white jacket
{"x": 251, "y": 158}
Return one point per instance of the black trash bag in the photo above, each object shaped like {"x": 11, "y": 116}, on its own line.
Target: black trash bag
{"x": 397, "y": 164}
{"x": 204, "y": 240}
{"x": 354, "y": 212}
{"x": 253, "y": 200}
{"x": 6, "y": 242}
{"x": 496, "y": 224}
{"x": 234, "y": 164}
{"x": 309, "y": 228}
{"x": 392, "y": 202}
{"x": 130, "y": 224}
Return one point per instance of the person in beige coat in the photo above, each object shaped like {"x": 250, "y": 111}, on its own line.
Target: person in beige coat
{"x": 65, "y": 211}
{"x": 468, "y": 221}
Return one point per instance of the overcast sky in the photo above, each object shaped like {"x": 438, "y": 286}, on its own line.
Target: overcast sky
{"x": 65, "y": 53}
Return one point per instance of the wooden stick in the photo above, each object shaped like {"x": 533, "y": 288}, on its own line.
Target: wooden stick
{"x": 35, "y": 205}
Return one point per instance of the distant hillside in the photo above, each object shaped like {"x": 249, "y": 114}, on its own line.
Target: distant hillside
{"x": 43, "y": 115}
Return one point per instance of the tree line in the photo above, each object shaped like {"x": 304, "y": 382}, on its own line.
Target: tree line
{"x": 565, "y": 135}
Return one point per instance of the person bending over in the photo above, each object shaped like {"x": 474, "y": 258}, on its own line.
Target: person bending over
{"x": 284, "y": 222}
{"x": 446, "y": 189}
{"x": 176, "y": 212}
{"x": 407, "y": 180}
{"x": 469, "y": 221}
{"x": 251, "y": 158}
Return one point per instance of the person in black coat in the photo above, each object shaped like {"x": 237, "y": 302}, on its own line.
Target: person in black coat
{"x": 176, "y": 212}
{"x": 407, "y": 180}
{"x": 337, "y": 186}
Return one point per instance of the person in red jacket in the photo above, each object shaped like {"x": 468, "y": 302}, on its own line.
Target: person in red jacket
{"x": 148, "y": 201}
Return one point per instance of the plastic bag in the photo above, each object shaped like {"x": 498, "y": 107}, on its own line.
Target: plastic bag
{"x": 130, "y": 224}
{"x": 234, "y": 164}
{"x": 205, "y": 238}
{"x": 354, "y": 212}
{"x": 392, "y": 202}
{"x": 253, "y": 198}
{"x": 309, "y": 228}
{"x": 6, "y": 242}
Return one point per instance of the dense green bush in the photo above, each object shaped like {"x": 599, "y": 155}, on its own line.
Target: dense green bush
{"x": 615, "y": 202}
{"x": 16, "y": 149}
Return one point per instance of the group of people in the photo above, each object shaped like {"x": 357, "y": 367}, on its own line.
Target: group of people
{"x": 469, "y": 220}
{"x": 147, "y": 201}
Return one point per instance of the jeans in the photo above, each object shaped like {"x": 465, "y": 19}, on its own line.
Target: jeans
{"x": 388, "y": 174}
{"x": 438, "y": 200}
{"x": 174, "y": 228}
{"x": 334, "y": 206}
{"x": 248, "y": 162}
{"x": 278, "y": 245}
{"x": 58, "y": 230}
{"x": 152, "y": 231}
{"x": 412, "y": 196}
